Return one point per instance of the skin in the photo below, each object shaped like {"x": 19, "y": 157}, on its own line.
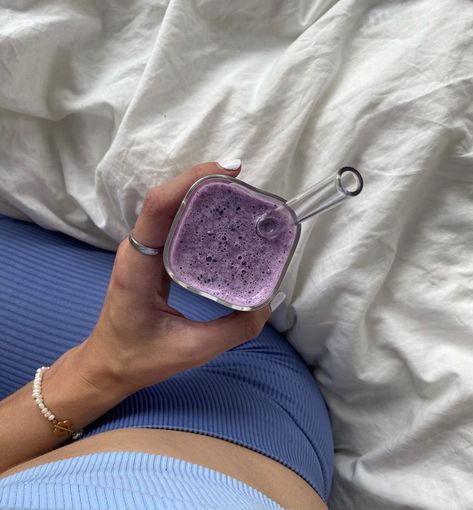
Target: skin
{"x": 139, "y": 341}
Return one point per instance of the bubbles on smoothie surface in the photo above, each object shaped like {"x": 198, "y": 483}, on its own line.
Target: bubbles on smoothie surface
{"x": 218, "y": 250}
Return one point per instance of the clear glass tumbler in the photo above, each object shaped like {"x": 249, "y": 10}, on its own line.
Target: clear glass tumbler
{"x": 232, "y": 242}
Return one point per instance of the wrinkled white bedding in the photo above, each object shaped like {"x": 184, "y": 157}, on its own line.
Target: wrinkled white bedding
{"x": 101, "y": 100}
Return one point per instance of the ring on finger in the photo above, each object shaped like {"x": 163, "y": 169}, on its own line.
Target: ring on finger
{"x": 142, "y": 248}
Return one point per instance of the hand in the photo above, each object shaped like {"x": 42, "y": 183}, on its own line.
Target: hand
{"x": 139, "y": 336}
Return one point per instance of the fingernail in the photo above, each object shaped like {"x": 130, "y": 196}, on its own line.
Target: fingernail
{"x": 230, "y": 164}
{"x": 277, "y": 300}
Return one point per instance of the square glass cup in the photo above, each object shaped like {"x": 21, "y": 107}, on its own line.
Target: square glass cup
{"x": 214, "y": 248}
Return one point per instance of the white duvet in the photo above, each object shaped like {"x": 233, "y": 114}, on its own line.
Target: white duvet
{"x": 101, "y": 100}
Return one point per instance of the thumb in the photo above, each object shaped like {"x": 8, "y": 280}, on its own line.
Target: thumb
{"x": 220, "y": 335}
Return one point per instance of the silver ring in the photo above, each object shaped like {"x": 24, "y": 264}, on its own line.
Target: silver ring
{"x": 145, "y": 250}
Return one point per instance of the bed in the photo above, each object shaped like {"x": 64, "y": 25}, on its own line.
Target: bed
{"x": 101, "y": 100}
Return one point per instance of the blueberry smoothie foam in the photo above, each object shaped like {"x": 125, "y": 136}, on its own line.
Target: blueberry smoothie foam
{"x": 215, "y": 248}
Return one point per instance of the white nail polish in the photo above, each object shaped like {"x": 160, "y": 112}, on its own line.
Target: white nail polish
{"x": 230, "y": 164}
{"x": 277, "y": 300}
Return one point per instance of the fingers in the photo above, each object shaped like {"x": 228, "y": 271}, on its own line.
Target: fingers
{"x": 220, "y": 335}
{"x": 145, "y": 272}
{"x": 162, "y": 202}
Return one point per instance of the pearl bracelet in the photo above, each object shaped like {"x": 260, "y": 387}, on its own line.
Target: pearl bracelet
{"x": 60, "y": 427}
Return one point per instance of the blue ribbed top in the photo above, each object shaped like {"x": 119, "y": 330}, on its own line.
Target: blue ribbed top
{"x": 127, "y": 480}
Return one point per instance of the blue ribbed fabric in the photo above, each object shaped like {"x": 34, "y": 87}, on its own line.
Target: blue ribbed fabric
{"x": 128, "y": 480}
{"x": 259, "y": 395}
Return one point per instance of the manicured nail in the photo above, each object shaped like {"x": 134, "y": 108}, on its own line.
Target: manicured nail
{"x": 230, "y": 164}
{"x": 277, "y": 300}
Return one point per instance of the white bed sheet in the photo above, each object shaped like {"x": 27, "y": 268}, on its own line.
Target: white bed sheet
{"x": 101, "y": 100}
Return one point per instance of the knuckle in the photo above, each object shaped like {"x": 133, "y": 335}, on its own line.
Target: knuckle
{"x": 152, "y": 201}
{"x": 193, "y": 351}
{"x": 252, "y": 327}
{"x": 118, "y": 279}
{"x": 122, "y": 248}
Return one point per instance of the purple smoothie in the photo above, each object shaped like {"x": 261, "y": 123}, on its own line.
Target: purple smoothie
{"x": 215, "y": 247}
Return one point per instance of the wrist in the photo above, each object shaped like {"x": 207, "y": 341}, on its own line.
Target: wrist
{"x": 81, "y": 388}
{"x": 98, "y": 372}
